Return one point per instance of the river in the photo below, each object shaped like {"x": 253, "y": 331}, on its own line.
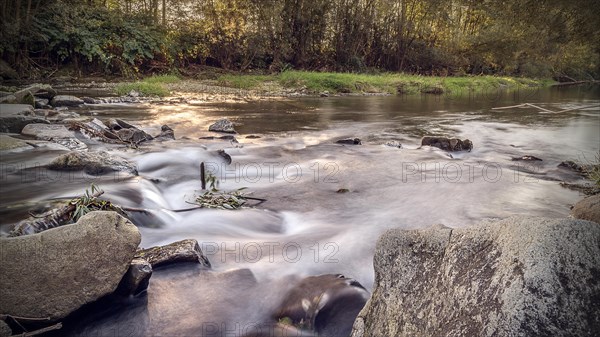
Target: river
{"x": 328, "y": 203}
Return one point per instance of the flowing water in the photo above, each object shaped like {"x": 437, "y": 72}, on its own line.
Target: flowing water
{"x": 327, "y": 203}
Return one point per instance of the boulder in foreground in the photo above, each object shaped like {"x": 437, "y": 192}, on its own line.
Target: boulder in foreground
{"x": 53, "y": 273}
{"x": 521, "y": 276}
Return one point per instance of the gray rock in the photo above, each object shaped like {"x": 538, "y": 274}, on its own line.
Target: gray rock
{"x": 587, "y": 209}
{"x": 90, "y": 100}
{"x": 42, "y": 103}
{"x": 47, "y": 131}
{"x": 181, "y": 251}
{"x": 66, "y": 100}
{"x": 166, "y": 133}
{"x": 222, "y": 125}
{"x": 94, "y": 163}
{"x": 521, "y": 276}
{"x": 53, "y": 273}
{"x": 349, "y": 141}
{"x": 447, "y": 144}
{"x": 5, "y": 330}
{"x": 56, "y": 133}
{"x": 8, "y": 143}
{"x": 8, "y": 99}
{"x": 137, "y": 278}
{"x": 40, "y": 90}
{"x": 14, "y": 117}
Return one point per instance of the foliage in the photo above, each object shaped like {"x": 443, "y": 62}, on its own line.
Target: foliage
{"x": 540, "y": 38}
{"x": 213, "y": 198}
{"x": 391, "y": 83}
{"x": 150, "y": 86}
{"x": 88, "y": 203}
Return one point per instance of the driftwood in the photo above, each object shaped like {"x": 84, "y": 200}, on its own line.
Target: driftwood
{"x": 544, "y": 109}
{"x": 52, "y": 219}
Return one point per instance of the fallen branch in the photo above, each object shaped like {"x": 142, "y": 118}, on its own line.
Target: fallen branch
{"x": 509, "y": 107}
{"x": 41, "y": 331}
{"x": 538, "y": 107}
{"x": 55, "y": 218}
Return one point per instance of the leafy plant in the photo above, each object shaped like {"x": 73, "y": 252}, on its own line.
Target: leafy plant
{"x": 89, "y": 202}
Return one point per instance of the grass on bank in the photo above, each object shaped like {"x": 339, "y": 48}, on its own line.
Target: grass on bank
{"x": 150, "y": 86}
{"x": 391, "y": 83}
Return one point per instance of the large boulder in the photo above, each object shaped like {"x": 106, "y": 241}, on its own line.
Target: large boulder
{"x": 14, "y": 117}
{"x": 587, "y": 209}
{"x": 94, "y": 163}
{"x": 41, "y": 90}
{"x": 521, "y": 276}
{"x": 66, "y": 100}
{"x": 222, "y": 125}
{"x": 53, "y": 273}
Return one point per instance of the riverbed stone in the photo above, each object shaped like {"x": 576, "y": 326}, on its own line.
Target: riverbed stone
{"x": 181, "y": 251}
{"x": 137, "y": 278}
{"x": 56, "y": 133}
{"x": 37, "y": 89}
{"x": 14, "y": 117}
{"x": 349, "y": 141}
{"x": 447, "y": 144}
{"x": 94, "y": 163}
{"x": 587, "y": 209}
{"x": 522, "y": 276}
{"x": 55, "y": 272}
{"x": 222, "y": 125}
{"x": 8, "y": 143}
{"x": 66, "y": 100}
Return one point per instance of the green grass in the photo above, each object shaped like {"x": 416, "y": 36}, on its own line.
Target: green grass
{"x": 150, "y": 86}
{"x": 391, "y": 83}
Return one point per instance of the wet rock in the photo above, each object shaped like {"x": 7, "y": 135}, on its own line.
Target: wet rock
{"x": 90, "y": 100}
{"x": 176, "y": 252}
{"x": 93, "y": 163}
{"x": 53, "y": 273}
{"x": 8, "y": 143}
{"x": 522, "y": 276}
{"x": 326, "y": 304}
{"x": 571, "y": 165}
{"x": 39, "y": 90}
{"x": 42, "y": 103}
{"x": 349, "y": 141}
{"x": 14, "y": 117}
{"x": 525, "y": 158}
{"x": 127, "y": 132}
{"x": 225, "y": 156}
{"x": 222, "y": 125}
{"x": 447, "y": 144}
{"x": 8, "y": 98}
{"x": 166, "y": 133}
{"x": 5, "y": 330}
{"x": 137, "y": 278}
{"x": 394, "y": 143}
{"x": 66, "y": 100}
{"x": 56, "y": 133}
{"x": 252, "y": 137}
{"x": 587, "y": 209}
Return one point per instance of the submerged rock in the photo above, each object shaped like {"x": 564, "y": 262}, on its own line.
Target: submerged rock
{"x": 8, "y": 143}
{"x": 94, "y": 163}
{"x": 522, "y": 276}
{"x": 54, "y": 273}
{"x": 588, "y": 209}
{"x": 180, "y": 251}
{"x": 349, "y": 141}
{"x": 447, "y": 144}
{"x": 326, "y": 304}
{"x": 526, "y": 158}
{"x": 222, "y": 125}
{"x": 66, "y": 100}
